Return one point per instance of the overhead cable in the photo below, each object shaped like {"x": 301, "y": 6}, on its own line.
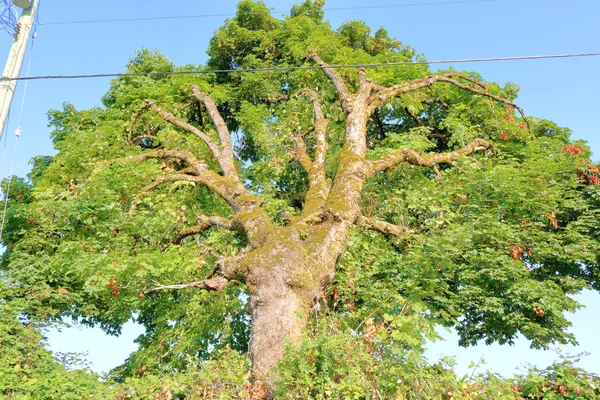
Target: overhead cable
{"x": 302, "y": 67}
{"x": 174, "y": 17}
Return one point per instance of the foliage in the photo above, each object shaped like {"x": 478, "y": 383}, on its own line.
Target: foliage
{"x": 495, "y": 243}
{"x": 27, "y": 369}
{"x": 333, "y": 364}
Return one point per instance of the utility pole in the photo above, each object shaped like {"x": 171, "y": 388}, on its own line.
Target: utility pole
{"x": 15, "y": 59}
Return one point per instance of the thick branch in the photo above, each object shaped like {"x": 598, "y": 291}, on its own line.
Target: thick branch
{"x": 381, "y": 226}
{"x": 246, "y": 206}
{"x": 337, "y": 80}
{"x": 186, "y": 156}
{"x": 167, "y": 116}
{"x": 428, "y": 160}
{"x": 302, "y": 154}
{"x": 414, "y": 116}
{"x": 382, "y": 94}
{"x": 217, "y": 283}
{"x": 318, "y": 186}
{"x": 230, "y": 190}
{"x": 227, "y": 161}
{"x": 188, "y": 171}
{"x": 205, "y": 222}
{"x": 227, "y": 269}
{"x": 456, "y": 83}
{"x": 365, "y": 85}
{"x": 321, "y": 124}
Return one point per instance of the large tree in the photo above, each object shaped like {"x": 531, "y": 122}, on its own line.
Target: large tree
{"x": 368, "y": 191}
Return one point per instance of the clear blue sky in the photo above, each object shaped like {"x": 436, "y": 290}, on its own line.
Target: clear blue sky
{"x": 561, "y": 90}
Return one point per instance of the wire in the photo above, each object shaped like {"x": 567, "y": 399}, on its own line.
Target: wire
{"x": 303, "y": 67}
{"x": 94, "y": 21}
{"x": 8, "y": 17}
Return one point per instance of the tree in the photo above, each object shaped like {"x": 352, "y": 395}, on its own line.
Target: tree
{"x": 373, "y": 193}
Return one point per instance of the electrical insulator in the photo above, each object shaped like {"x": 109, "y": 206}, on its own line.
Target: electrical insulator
{"x": 18, "y": 132}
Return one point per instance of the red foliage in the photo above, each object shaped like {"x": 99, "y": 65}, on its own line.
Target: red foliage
{"x": 570, "y": 148}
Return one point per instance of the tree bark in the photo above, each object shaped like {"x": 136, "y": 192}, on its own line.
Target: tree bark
{"x": 279, "y": 315}
{"x": 283, "y": 278}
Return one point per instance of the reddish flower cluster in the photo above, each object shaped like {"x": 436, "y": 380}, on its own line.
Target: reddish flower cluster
{"x": 508, "y": 115}
{"x": 591, "y": 174}
{"x": 553, "y": 220}
{"x": 114, "y": 286}
{"x": 516, "y": 252}
{"x": 570, "y": 148}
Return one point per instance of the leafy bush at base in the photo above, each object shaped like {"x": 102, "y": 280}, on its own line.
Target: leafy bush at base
{"x": 28, "y": 370}
{"x": 331, "y": 363}
{"x": 352, "y": 365}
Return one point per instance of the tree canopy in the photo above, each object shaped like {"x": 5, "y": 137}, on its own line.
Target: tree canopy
{"x": 385, "y": 199}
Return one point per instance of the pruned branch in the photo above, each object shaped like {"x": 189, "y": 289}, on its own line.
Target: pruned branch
{"x": 413, "y": 157}
{"x": 186, "y": 156}
{"x": 217, "y": 283}
{"x": 318, "y": 186}
{"x": 320, "y": 128}
{"x": 302, "y": 154}
{"x": 204, "y": 223}
{"x": 246, "y": 206}
{"x": 381, "y": 226}
{"x": 189, "y": 171}
{"x": 226, "y": 160}
{"x": 167, "y": 116}
{"x": 382, "y": 94}
{"x": 160, "y": 181}
{"x": 337, "y": 80}
{"x": 456, "y": 83}
{"x": 231, "y": 191}
{"x": 365, "y": 85}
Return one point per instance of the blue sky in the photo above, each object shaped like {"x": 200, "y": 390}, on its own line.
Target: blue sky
{"x": 564, "y": 91}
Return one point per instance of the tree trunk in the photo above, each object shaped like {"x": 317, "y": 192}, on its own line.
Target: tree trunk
{"x": 284, "y": 277}
{"x": 279, "y": 315}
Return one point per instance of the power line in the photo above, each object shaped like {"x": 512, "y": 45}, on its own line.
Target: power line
{"x": 174, "y": 17}
{"x": 303, "y": 67}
